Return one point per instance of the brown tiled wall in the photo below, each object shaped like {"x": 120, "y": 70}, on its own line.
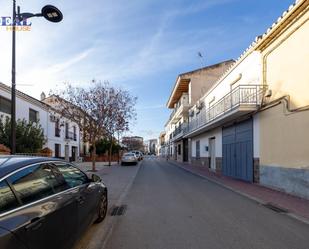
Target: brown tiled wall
{"x": 203, "y": 161}
{"x": 218, "y": 164}
{"x": 256, "y": 170}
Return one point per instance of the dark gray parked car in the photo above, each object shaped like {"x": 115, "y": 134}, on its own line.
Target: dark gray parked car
{"x": 46, "y": 203}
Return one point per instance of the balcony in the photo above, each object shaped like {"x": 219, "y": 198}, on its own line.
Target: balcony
{"x": 57, "y": 132}
{"x": 71, "y": 136}
{"x": 242, "y": 100}
{"x": 179, "y": 131}
{"x": 180, "y": 109}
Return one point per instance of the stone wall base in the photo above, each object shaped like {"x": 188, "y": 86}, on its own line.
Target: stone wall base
{"x": 218, "y": 165}
{"x": 294, "y": 181}
{"x": 205, "y": 161}
{"x": 256, "y": 170}
{"x": 202, "y": 161}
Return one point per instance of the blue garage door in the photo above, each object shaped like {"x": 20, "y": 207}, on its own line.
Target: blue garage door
{"x": 237, "y": 151}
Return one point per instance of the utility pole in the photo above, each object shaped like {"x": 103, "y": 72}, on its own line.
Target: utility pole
{"x": 50, "y": 13}
{"x": 13, "y": 89}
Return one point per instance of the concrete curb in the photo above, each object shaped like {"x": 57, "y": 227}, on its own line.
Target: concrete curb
{"x": 255, "y": 199}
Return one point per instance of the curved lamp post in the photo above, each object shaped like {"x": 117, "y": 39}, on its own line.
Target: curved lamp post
{"x": 50, "y": 13}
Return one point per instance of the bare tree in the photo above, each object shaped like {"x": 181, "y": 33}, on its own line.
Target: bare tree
{"x": 120, "y": 111}
{"x": 84, "y": 106}
{"x": 100, "y": 111}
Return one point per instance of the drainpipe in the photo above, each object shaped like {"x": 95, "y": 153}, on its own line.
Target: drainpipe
{"x": 286, "y": 98}
{"x": 264, "y": 58}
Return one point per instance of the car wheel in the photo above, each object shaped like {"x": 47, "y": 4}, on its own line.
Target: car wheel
{"x": 102, "y": 209}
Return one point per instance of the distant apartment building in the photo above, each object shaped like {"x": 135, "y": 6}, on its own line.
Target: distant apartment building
{"x": 133, "y": 143}
{"x": 161, "y": 148}
{"x": 188, "y": 88}
{"x": 62, "y": 135}
{"x": 252, "y": 122}
{"x": 151, "y": 146}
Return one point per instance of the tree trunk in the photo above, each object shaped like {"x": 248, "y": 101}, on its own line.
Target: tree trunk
{"x": 93, "y": 157}
{"x": 110, "y": 152}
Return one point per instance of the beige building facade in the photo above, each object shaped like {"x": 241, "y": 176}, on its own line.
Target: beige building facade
{"x": 252, "y": 122}
{"x": 284, "y": 125}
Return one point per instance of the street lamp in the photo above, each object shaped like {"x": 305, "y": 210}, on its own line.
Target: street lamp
{"x": 50, "y": 13}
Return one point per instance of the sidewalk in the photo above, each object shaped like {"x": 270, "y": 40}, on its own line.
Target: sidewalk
{"x": 296, "y": 207}
{"x": 118, "y": 180}
{"x": 87, "y": 166}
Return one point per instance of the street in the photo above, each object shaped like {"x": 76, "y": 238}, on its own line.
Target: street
{"x": 170, "y": 208}
{"x": 154, "y": 124}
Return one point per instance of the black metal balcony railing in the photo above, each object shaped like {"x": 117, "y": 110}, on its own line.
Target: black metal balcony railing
{"x": 177, "y": 131}
{"x": 70, "y": 135}
{"x": 241, "y": 95}
{"x": 57, "y": 132}
{"x": 184, "y": 100}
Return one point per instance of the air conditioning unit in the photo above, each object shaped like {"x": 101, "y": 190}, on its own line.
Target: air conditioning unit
{"x": 199, "y": 104}
{"x": 268, "y": 93}
{"x": 53, "y": 118}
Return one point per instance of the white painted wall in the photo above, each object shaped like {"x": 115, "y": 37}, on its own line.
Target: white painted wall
{"x": 204, "y": 141}
{"x": 52, "y": 139}
{"x": 22, "y": 112}
{"x": 249, "y": 69}
{"x": 22, "y": 109}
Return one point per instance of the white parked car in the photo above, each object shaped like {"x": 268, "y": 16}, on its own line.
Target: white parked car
{"x": 129, "y": 158}
{"x": 138, "y": 154}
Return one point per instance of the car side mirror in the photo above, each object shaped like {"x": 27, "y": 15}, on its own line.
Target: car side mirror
{"x": 95, "y": 178}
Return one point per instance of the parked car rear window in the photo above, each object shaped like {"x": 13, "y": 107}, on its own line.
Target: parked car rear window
{"x": 129, "y": 154}
{"x": 34, "y": 183}
{"x": 7, "y": 198}
{"x": 73, "y": 176}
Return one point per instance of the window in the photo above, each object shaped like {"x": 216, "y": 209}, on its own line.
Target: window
{"x": 34, "y": 183}
{"x": 33, "y": 115}
{"x": 179, "y": 149}
{"x": 197, "y": 149}
{"x": 58, "y": 150}
{"x": 8, "y": 200}
{"x": 61, "y": 184}
{"x": 74, "y": 133}
{"x": 5, "y": 105}
{"x": 57, "y": 128}
{"x": 66, "y": 129}
{"x": 73, "y": 176}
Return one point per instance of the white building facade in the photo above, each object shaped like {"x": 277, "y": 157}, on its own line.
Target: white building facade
{"x": 62, "y": 135}
{"x": 223, "y": 119}
{"x": 188, "y": 89}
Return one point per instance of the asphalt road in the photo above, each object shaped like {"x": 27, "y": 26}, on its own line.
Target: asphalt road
{"x": 118, "y": 180}
{"x": 169, "y": 208}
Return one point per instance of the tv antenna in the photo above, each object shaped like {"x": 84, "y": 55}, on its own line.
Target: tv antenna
{"x": 201, "y": 57}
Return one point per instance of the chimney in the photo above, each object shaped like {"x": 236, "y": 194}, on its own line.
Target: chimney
{"x": 43, "y": 96}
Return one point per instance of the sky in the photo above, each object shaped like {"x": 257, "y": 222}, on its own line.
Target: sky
{"x": 138, "y": 45}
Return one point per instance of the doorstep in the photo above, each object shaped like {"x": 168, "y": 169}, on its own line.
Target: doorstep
{"x": 297, "y": 207}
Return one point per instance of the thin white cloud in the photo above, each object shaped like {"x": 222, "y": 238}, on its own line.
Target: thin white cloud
{"x": 57, "y": 68}
{"x": 150, "y": 107}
